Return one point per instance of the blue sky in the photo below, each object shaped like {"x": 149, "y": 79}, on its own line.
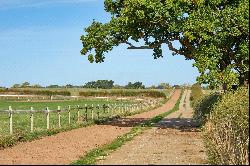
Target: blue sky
{"x": 40, "y": 43}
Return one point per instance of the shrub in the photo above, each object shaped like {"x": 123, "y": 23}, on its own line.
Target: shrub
{"x": 226, "y": 133}
{"x": 2, "y": 90}
{"x": 196, "y": 93}
{"x": 203, "y": 106}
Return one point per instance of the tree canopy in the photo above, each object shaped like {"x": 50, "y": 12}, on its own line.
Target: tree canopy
{"x": 214, "y": 33}
{"x": 164, "y": 85}
{"x": 103, "y": 84}
{"x": 136, "y": 85}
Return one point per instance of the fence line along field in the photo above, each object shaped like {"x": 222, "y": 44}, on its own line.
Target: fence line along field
{"x": 38, "y": 114}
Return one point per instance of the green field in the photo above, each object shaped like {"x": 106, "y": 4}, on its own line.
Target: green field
{"x": 21, "y": 120}
{"x": 21, "y": 111}
{"x": 41, "y": 105}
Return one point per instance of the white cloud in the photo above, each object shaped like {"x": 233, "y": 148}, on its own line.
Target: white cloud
{"x": 9, "y": 4}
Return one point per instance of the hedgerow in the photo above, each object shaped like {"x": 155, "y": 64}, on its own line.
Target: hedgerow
{"x": 36, "y": 92}
{"x": 123, "y": 93}
{"x": 226, "y": 132}
{"x": 203, "y": 106}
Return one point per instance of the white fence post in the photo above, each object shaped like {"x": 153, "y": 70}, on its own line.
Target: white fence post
{"x": 86, "y": 112}
{"x": 11, "y": 123}
{"x": 59, "y": 116}
{"x": 78, "y": 113}
{"x": 69, "y": 113}
{"x": 92, "y": 116}
{"x": 31, "y": 120}
{"x": 126, "y": 108}
{"x": 92, "y": 112}
{"x": 98, "y": 113}
{"x": 47, "y": 117}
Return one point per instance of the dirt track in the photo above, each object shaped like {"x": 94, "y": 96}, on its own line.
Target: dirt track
{"x": 65, "y": 147}
{"x": 173, "y": 141}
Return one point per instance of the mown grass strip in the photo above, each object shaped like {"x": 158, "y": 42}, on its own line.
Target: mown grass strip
{"x": 92, "y": 157}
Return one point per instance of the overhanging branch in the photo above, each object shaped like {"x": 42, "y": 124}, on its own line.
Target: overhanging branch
{"x": 140, "y": 47}
{"x": 169, "y": 43}
{"x": 131, "y": 46}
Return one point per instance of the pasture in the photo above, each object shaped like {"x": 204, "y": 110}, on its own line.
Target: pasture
{"x": 65, "y": 112}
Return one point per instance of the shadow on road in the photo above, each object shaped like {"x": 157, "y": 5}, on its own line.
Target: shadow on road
{"x": 125, "y": 122}
{"x": 182, "y": 124}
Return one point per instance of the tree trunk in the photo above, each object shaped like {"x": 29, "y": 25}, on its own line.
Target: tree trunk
{"x": 224, "y": 86}
{"x": 244, "y": 79}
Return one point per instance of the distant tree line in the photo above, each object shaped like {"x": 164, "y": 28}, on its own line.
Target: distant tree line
{"x": 136, "y": 85}
{"x": 102, "y": 84}
{"x": 26, "y": 85}
{"x": 99, "y": 84}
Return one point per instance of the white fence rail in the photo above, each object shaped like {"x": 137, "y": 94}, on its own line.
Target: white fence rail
{"x": 82, "y": 113}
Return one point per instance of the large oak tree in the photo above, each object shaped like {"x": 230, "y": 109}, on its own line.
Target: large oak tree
{"x": 214, "y": 33}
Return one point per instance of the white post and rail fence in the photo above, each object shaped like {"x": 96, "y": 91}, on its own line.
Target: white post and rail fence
{"x": 95, "y": 113}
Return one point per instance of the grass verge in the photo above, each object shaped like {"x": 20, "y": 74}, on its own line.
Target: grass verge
{"x": 99, "y": 153}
